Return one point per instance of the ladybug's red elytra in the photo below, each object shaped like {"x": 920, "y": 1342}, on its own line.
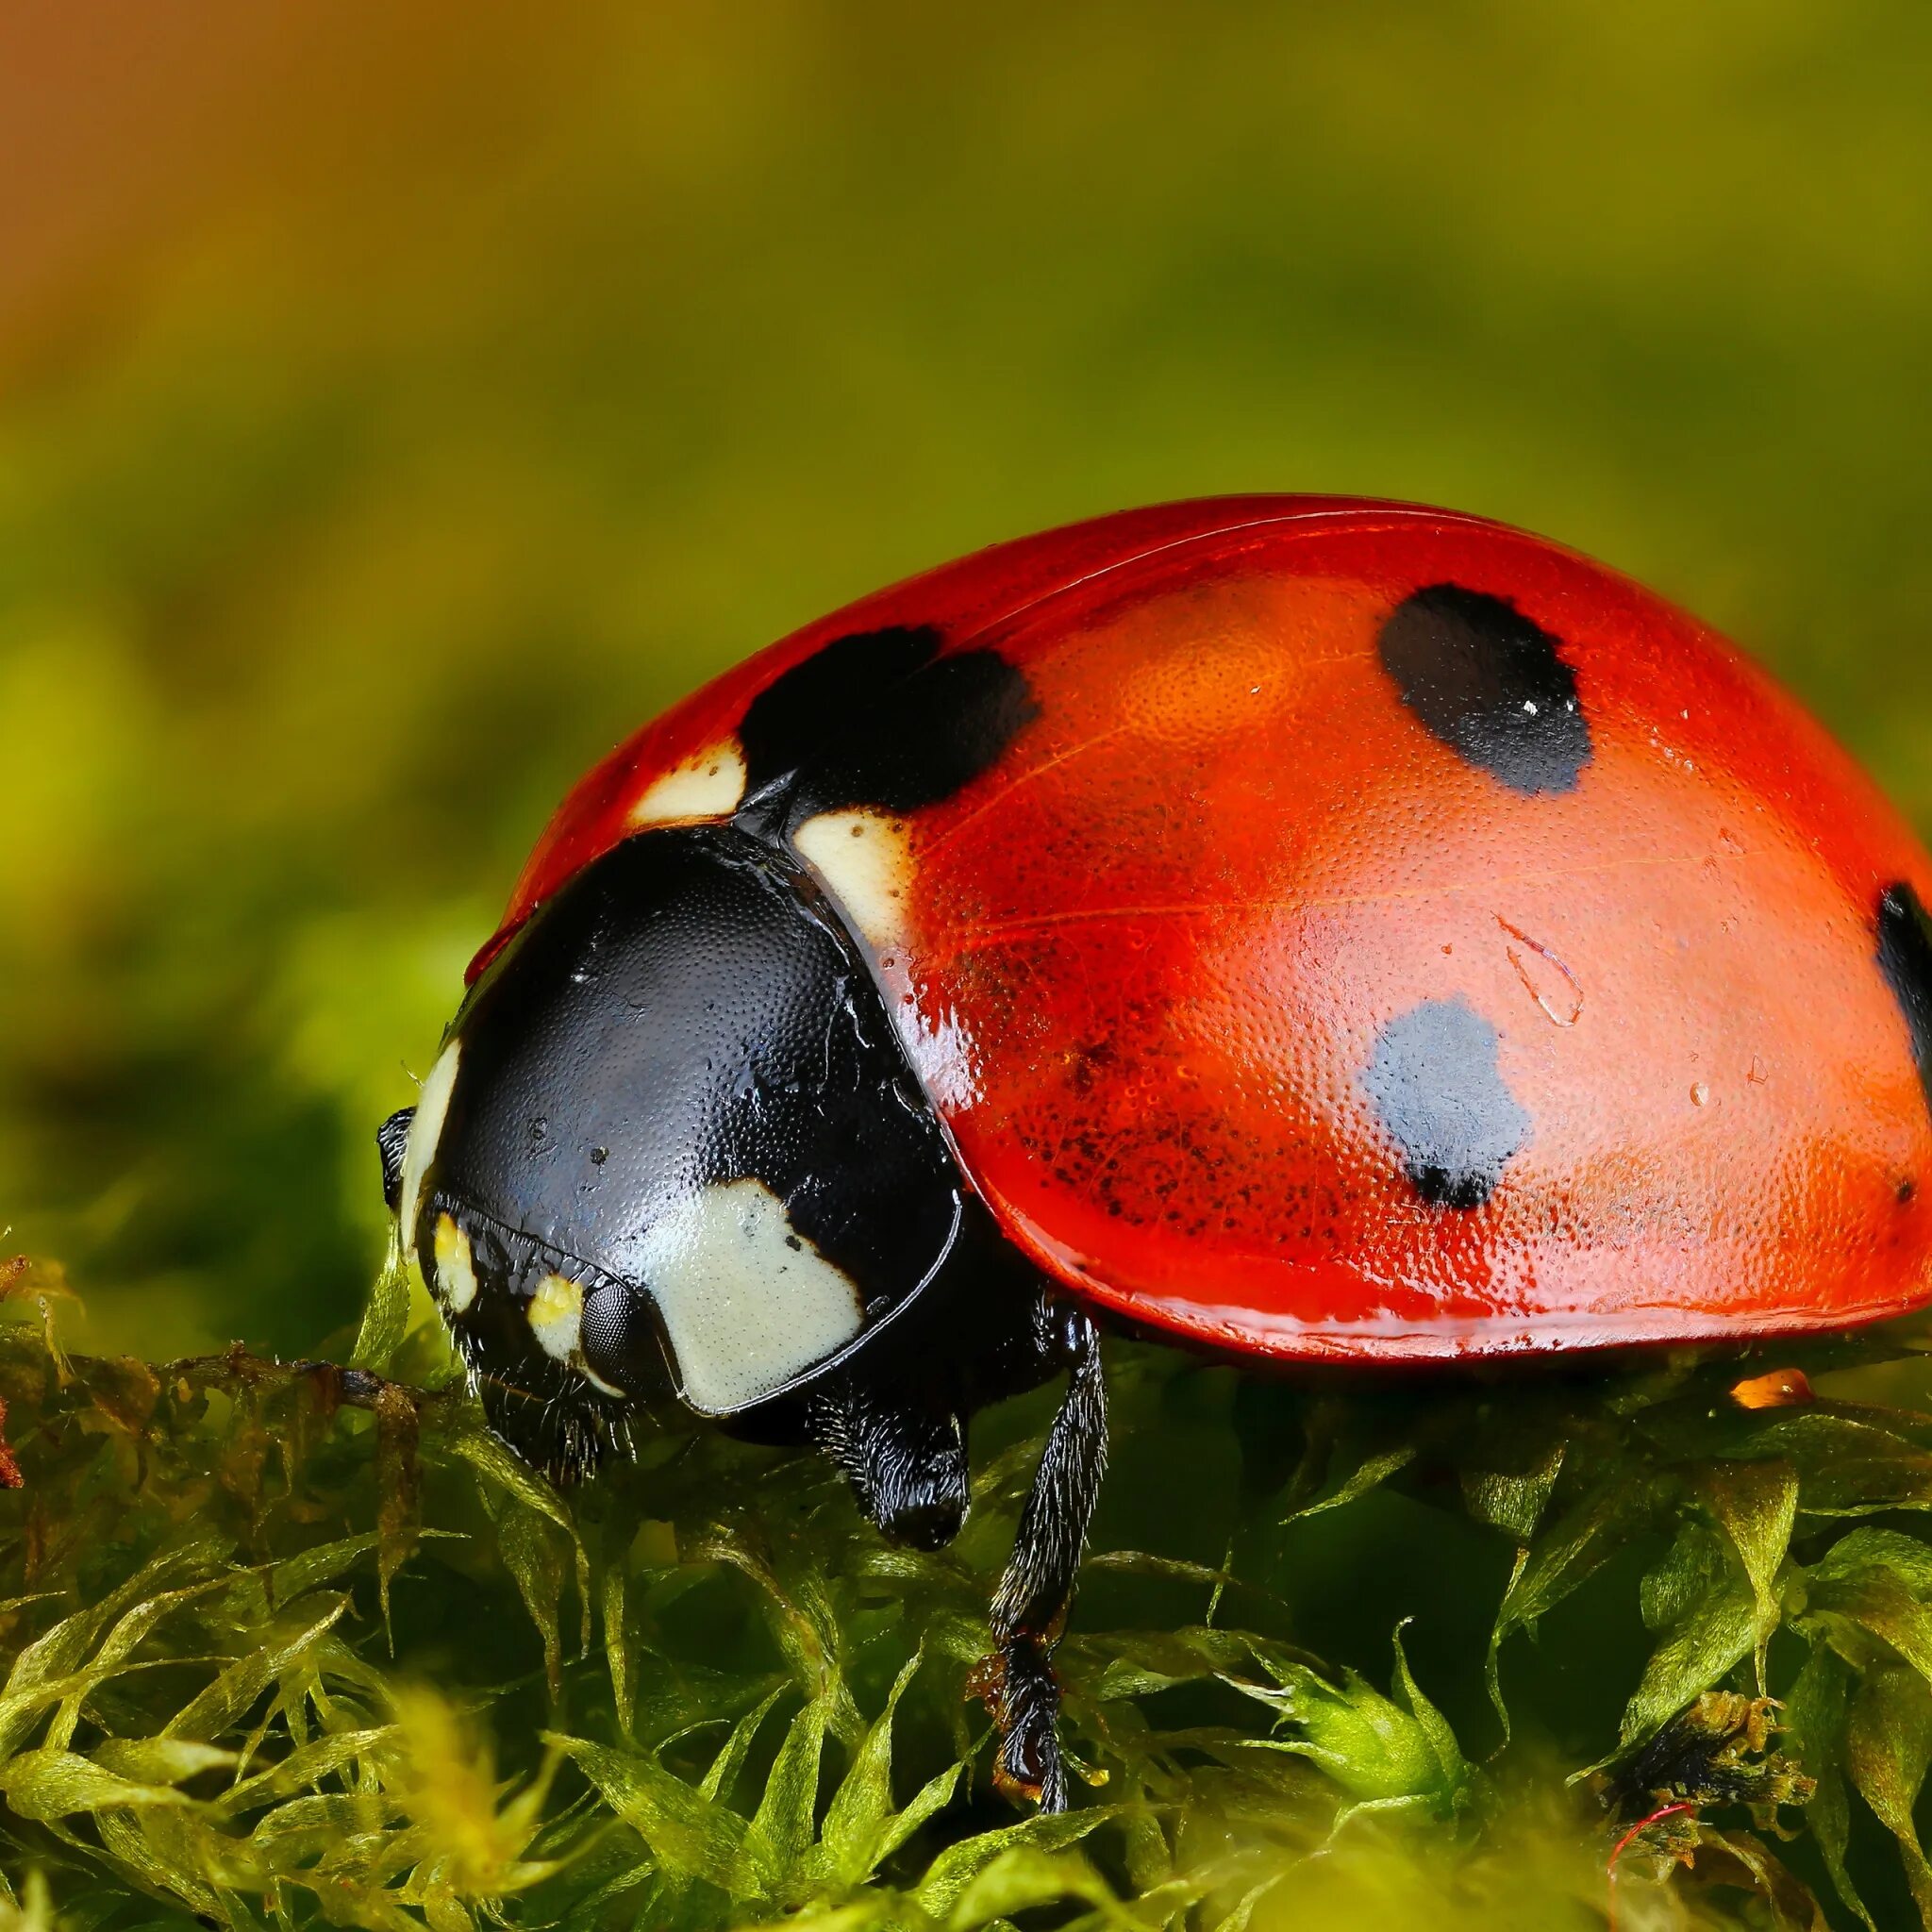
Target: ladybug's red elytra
{"x": 1313, "y": 929}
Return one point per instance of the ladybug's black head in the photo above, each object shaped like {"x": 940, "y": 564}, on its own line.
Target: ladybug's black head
{"x": 672, "y": 1139}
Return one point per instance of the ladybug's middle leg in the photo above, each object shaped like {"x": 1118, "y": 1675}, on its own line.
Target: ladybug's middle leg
{"x": 892, "y": 1420}
{"x": 1030, "y": 1610}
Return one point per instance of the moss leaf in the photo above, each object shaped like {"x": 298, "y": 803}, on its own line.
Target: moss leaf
{"x": 1849, "y": 1465}
{"x": 54, "y": 1784}
{"x": 861, "y": 1828}
{"x": 1888, "y": 1750}
{"x": 1369, "y": 1474}
{"x": 1452, "y": 1769}
{"x": 1562, "y": 1558}
{"x": 949, "y": 1876}
{"x": 1814, "y": 1717}
{"x": 781, "y": 1830}
{"x": 1756, "y": 1503}
{"x": 1877, "y": 1582}
{"x": 688, "y": 1834}
{"x": 238, "y": 1687}
{"x": 1717, "y": 1632}
{"x": 386, "y": 1314}
{"x": 1512, "y": 1500}
{"x": 1023, "y": 1877}
{"x": 1373, "y": 1748}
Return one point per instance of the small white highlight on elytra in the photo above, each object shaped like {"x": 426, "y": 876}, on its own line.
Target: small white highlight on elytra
{"x": 708, "y": 786}
{"x": 863, "y": 861}
{"x": 747, "y": 1303}
{"x": 425, "y": 1131}
{"x": 555, "y": 1315}
{"x": 455, "y": 1272}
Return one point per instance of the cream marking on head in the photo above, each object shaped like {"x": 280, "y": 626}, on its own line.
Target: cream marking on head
{"x": 708, "y": 786}
{"x": 862, "y": 860}
{"x": 426, "y": 1129}
{"x": 455, "y": 1273}
{"x": 748, "y": 1304}
{"x": 555, "y": 1315}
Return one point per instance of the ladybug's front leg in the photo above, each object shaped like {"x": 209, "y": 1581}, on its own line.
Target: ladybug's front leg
{"x": 1030, "y": 1610}
{"x": 902, "y": 1448}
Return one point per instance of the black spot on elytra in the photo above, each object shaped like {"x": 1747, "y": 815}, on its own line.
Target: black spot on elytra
{"x": 1435, "y": 1083}
{"x": 1904, "y": 957}
{"x": 879, "y": 718}
{"x": 1489, "y": 684}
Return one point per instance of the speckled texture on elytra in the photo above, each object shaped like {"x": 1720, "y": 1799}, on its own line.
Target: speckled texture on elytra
{"x": 1147, "y": 956}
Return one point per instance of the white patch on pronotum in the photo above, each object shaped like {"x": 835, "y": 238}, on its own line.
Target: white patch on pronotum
{"x": 555, "y": 1315}
{"x": 862, "y": 858}
{"x": 708, "y": 786}
{"x": 455, "y": 1273}
{"x": 425, "y": 1131}
{"x": 748, "y": 1304}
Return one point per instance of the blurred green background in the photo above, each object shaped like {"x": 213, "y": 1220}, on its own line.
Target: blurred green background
{"x": 398, "y": 403}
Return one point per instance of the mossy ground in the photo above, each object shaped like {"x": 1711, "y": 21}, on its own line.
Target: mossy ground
{"x": 286, "y": 1646}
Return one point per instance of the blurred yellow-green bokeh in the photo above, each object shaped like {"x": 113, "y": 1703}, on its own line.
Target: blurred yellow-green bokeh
{"x": 399, "y": 402}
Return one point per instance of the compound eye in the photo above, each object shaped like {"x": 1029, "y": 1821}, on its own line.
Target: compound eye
{"x": 391, "y": 1143}
{"x": 620, "y": 1352}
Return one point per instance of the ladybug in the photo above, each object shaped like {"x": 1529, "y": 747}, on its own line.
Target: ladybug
{"x": 1311, "y": 929}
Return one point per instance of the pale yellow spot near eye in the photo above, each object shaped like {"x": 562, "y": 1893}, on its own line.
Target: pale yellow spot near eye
{"x": 708, "y": 786}
{"x": 455, "y": 1273}
{"x": 557, "y": 1316}
{"x": 863, "y": 859}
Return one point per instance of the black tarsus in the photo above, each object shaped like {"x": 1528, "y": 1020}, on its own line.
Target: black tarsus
{"x": 1030, "y": 1610}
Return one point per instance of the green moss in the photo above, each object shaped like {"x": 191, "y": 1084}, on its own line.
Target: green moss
{"x": 299, "y": 1644}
